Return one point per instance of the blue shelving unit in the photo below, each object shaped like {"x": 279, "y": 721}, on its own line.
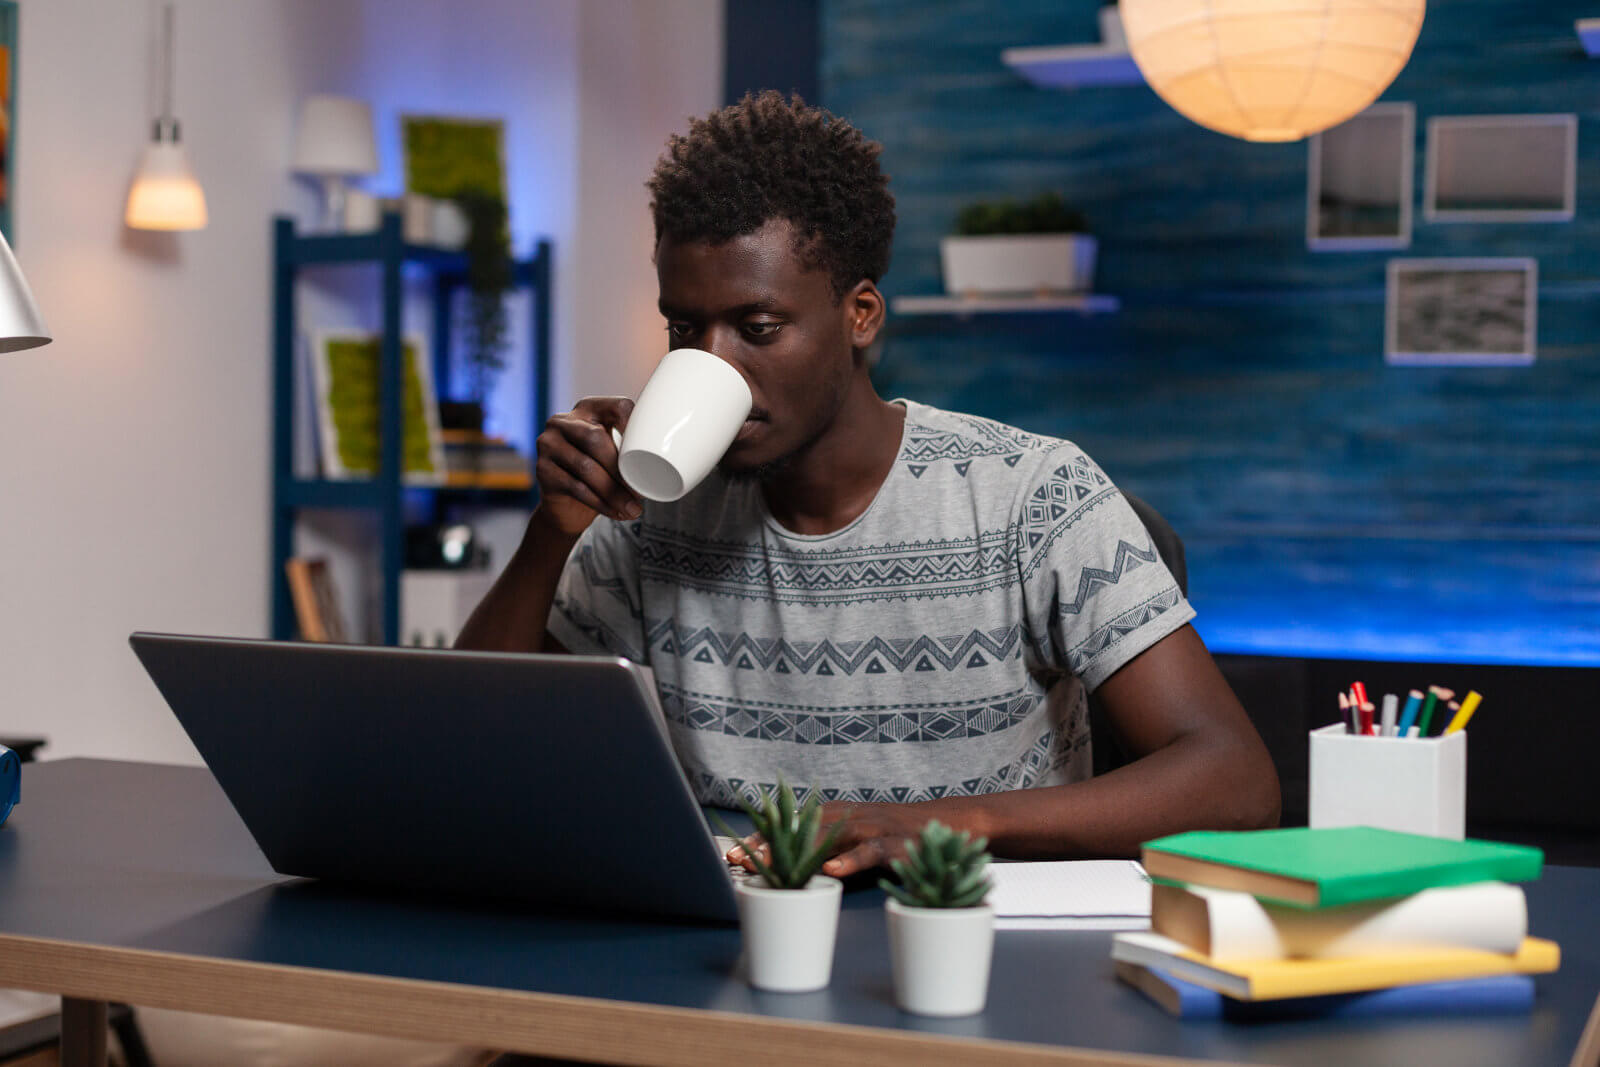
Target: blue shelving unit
{"x": 384, "y": 494}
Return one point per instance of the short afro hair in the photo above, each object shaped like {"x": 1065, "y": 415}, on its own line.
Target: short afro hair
{"x": 768, "y": 157}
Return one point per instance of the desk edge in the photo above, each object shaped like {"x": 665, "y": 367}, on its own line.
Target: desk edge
{"x": 550, "y": 1024}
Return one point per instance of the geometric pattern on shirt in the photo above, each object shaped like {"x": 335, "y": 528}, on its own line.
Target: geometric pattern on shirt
{"x": 881, "y": 724}
{"x": 1057, "y": 503}
{"x": 1092, "y": 579}
{"x": 598, "y": 630}
{"x": 925, "y": 446}
{"x": 1033, "y": 765}
{"x": 1084, "y": 653}
{"x": 598, "y": 578}
{"x": 904, "y": 571}
{"x": 879, "y": 655}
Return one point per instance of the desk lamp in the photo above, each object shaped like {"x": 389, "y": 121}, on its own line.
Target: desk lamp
{"x": 334, "y": 142}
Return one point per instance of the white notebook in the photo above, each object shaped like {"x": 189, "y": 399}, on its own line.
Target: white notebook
{"x": 1070, "y": 895}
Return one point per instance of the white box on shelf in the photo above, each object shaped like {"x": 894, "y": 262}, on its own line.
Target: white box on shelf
{"x": 434, "y": 605}
{"x": 1416, "y": 785}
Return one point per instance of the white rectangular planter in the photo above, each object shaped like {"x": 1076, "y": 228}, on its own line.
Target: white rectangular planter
{"x": 1019, "y": 263}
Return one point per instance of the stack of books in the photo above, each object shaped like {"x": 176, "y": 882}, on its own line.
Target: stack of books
{"x": 473, "y": 459}
{"x": 1335, "y": 922}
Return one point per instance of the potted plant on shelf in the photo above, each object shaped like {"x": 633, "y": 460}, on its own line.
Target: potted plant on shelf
{"x": 790, "y": 915}
{"x": 1036, "y": 246}
{"x": 941, "y": 932}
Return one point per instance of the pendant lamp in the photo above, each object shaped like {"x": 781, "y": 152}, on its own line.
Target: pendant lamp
{"x": 165, "y": 194}
{"x": 1270, "y": 70}
{"x": 21, "y": 325}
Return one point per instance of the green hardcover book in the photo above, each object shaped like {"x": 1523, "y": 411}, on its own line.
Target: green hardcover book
{"x": 1321, "y": 868}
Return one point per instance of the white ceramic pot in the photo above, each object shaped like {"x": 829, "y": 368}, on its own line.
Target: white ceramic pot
{"x": 1019, "y": 263}
{"x": 940, "y": 957}
{"x": 789, "y": 933}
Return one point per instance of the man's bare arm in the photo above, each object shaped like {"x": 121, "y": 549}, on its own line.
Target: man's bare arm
{"x": 578, "y": 481}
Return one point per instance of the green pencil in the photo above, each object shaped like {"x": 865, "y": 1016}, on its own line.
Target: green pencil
{"x": 1435, "y": 694}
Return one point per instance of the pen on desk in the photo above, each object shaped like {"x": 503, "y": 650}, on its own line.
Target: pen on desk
{"x": 1409, "y": 716}
{"x": 1468, "y": 706}
{"x": 1391, "y": 708}
{"x": 1359, "y": 691}
{"x": 1366, "y": 719}
{"x": 1344, "y": 712}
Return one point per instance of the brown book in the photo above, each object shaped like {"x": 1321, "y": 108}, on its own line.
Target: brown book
{"x": 316, "y": 604}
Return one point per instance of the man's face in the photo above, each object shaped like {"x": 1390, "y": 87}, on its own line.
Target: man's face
{"x": 750, "y": 301}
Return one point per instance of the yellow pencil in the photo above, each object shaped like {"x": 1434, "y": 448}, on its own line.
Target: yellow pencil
{"x": 1468, "y": 706}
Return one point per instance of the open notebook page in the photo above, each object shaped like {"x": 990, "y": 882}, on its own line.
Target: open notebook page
{"x": 1070, "y": 895}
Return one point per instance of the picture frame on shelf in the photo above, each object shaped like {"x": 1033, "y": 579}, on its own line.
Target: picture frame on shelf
{"x": 1501, "y": 168}
{"x": 1359, "y": 181}
{"x": 1462, "y": 312}
{"x": 344, "y": 365}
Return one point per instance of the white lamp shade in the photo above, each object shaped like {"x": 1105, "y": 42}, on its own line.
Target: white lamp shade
{"x": 335, "y": 137}
{"x": 1270, "y": 70}
{"x": 165, "y": 194}
{"x": 21, "y": 325}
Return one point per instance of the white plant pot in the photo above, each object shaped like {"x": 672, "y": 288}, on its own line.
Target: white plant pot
{"x": 789, "y": 933}
{"x": 940, "y": 957}
{"x": 1019, "y": 263}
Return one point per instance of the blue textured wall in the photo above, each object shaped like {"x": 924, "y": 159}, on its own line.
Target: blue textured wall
{"x": 1331, "y": 505}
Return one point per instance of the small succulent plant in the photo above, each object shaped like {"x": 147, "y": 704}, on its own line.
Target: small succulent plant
{"x": 790, "y": 832}
{"x": 942, "y": 869}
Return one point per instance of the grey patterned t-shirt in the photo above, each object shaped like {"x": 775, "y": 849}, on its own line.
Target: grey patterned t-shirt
{"x": 939, "y": 645}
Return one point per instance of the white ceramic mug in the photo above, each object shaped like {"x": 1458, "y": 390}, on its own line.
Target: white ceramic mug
{"x": 686, "y": 416}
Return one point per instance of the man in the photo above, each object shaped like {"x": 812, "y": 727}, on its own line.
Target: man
{"x": 899, "y": 606}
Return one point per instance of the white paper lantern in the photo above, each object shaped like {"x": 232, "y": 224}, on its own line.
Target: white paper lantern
{"x": 1270, "y": 70}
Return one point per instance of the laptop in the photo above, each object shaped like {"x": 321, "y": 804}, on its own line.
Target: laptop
{"x": 542, "y": 779}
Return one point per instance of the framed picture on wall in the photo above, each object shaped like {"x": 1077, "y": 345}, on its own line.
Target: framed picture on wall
{"x": 344, "y": 371}
{"x": 8, "y": 114}
{"x": 1501, "y": 168}
{"x": 1359, "y": 181}
{"x": 1462, "y": 312}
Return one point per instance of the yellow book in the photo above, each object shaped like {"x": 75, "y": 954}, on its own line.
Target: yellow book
{"x": 1274, "y": 979}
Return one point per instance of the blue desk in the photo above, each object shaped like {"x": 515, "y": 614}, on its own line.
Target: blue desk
{"x": 137, "y": 883}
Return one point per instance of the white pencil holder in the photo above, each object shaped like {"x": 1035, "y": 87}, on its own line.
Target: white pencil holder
{"x": 1417, "y": 785}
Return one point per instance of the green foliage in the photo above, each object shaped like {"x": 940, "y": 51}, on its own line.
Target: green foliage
{"x": 791, "y": 835}
{"x": 488, "y": 252}
{"x": 942, "y": 869}
{"x": 1046, "y": 213}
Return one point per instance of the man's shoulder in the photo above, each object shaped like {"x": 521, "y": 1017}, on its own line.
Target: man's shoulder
{"x": 936, "y": 437}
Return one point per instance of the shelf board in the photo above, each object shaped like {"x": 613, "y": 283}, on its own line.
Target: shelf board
{"x": 1072, "y": 66}
{"x": 1079, "y": 303}
{"x": 1589, "y": 34}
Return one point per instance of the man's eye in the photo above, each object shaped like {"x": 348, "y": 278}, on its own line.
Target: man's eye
{"x": 762, "y": 329}
{"x": 679, "y": 330}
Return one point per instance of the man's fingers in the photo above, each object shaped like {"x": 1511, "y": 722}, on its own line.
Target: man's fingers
{"x": 863, "y": 857}
{"x": 585, "y": 453}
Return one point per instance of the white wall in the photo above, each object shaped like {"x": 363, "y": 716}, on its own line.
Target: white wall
{"x": 135, "y": 471}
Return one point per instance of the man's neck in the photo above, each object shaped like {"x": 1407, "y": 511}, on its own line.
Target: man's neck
{"x": 833, "y": 481}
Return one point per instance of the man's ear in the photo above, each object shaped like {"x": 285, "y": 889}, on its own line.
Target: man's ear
{"x": 864, "y": 311}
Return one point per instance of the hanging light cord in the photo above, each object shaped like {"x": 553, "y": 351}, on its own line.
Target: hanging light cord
{"x": 166, "y": 124}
